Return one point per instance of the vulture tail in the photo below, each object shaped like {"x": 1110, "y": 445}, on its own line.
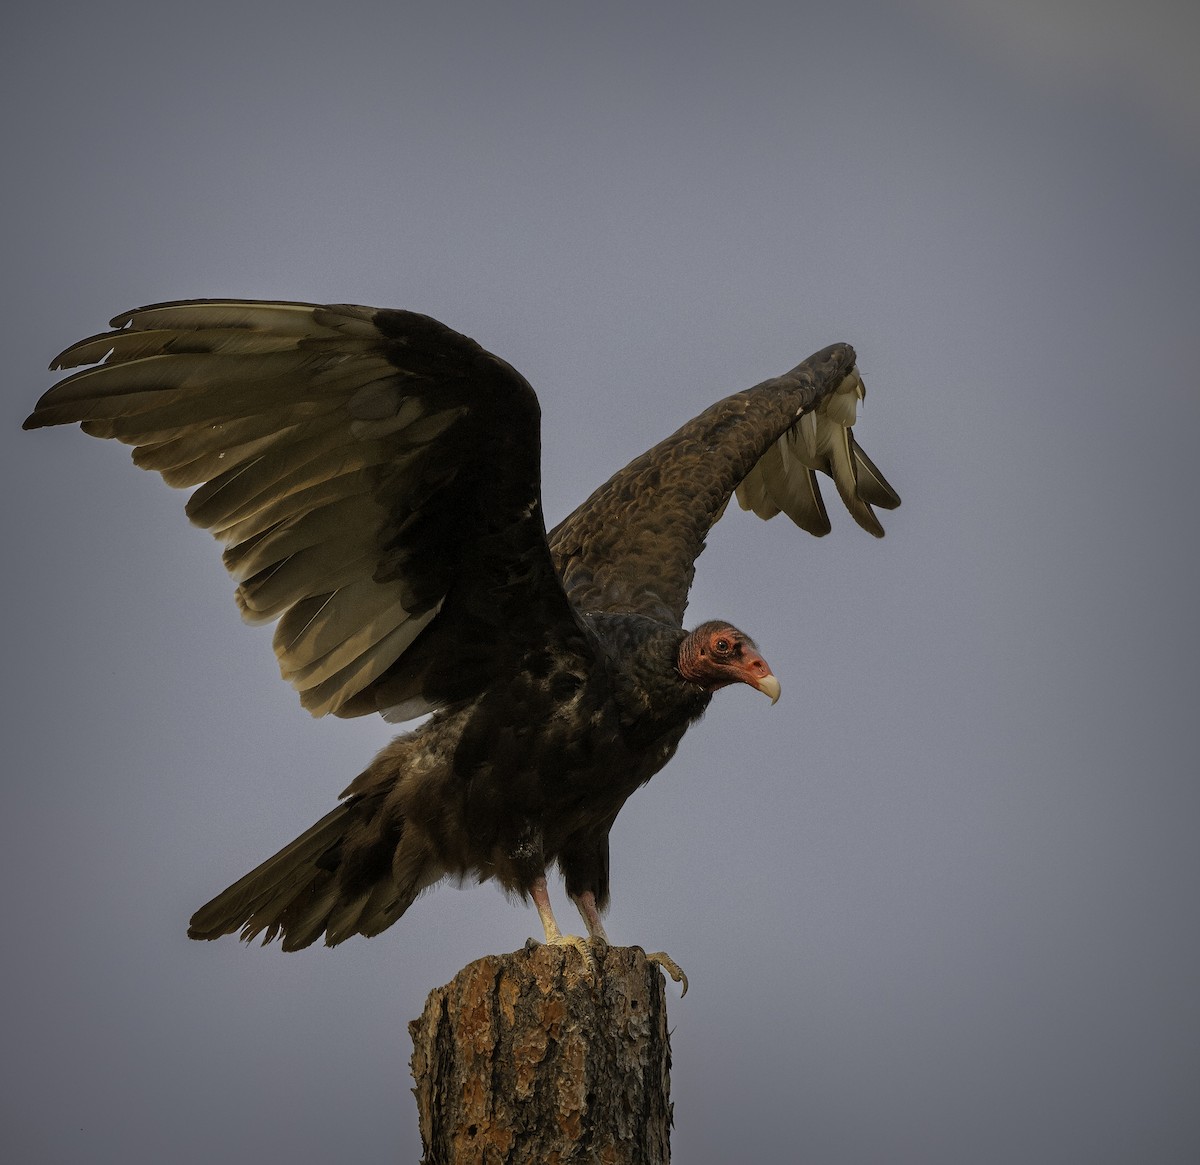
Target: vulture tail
{"x": 335, "y": 879}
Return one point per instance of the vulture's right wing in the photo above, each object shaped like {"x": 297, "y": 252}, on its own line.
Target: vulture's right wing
{"x": 633, "y": 544}
{"x": 374, "y": 476}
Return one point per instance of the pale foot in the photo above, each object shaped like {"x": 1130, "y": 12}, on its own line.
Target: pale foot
{"x": 671, "y": 967}
{"x": 581, "y": 944}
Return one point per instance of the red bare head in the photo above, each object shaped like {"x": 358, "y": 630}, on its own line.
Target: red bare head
{"x": 716, "y": 654}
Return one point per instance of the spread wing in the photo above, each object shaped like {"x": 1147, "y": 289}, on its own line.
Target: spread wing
{"x": 374, "y": 476}
{"x": 633, "y": 544}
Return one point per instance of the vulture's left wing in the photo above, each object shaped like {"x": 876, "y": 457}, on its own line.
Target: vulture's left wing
{"x": 633, "y": 544}
{"x": 375, "y": 478}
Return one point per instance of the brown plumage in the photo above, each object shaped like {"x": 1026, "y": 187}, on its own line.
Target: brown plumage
{"x": 375, "y": 479}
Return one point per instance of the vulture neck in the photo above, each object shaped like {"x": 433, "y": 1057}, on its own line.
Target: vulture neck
{"x": 641, "y": 657}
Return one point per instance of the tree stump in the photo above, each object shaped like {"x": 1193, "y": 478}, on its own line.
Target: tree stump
{"x": 521, "y": 1059}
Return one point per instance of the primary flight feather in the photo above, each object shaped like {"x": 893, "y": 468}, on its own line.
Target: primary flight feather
{"x": 375, "y": 479}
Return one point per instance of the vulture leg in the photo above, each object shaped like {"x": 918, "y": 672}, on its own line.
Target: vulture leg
{"x": 585, "y": 903}
{"x": 554, "y": 937}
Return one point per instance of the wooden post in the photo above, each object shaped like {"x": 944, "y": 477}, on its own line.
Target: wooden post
{"x": 520, "y": 1059}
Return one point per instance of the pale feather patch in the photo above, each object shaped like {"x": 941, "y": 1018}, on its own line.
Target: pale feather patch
{"x": 410, "y": 709}
{"x": 348, "y": 319}
{"x": 183, "y": 468}
{"x": 821, "y": 440}
{"x": 133, "y": 345}
{"x": 367, "y": 667}
{"x": 281, "y": 470}
{"x": 306, "y": 574}
{"x": 347, "y": 523}
{"x": 278, "y": 316}
{"x": 319, "y": 624}
{"x": 275, "y": 511}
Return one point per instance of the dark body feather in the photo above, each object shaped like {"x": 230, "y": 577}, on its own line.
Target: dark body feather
{"x": 375, "y": 478}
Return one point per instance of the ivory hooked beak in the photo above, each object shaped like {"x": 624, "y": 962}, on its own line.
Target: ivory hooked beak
{"x": 770, "y": 685}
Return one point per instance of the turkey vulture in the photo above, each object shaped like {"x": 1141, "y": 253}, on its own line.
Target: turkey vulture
{"x": 375, "y": 479}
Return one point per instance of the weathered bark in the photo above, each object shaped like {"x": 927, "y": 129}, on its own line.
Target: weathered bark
{"x": 520, "y": 1059}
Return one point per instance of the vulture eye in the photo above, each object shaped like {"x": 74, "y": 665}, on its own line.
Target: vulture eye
{"x": 722, "y": 645}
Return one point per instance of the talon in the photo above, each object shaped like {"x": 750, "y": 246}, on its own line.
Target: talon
{"x": 584, "y": 948}
{"x": 671, "y": 967}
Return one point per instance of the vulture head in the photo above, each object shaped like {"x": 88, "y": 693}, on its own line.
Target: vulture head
{"x": 715, "y": 655}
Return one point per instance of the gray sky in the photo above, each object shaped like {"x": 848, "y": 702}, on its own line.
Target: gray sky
{"x": 938, "y": 905}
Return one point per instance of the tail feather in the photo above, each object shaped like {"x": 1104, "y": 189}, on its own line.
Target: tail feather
{"x": 267, "y": 890}
{"x": 342, "y": 921}
{"x": 386, "y": 904}
{"x": 333, "y": 879}
{"x": 303, "y": 920}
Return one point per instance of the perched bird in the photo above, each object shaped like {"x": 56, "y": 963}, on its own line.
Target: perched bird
{"x": 375, "y": 479}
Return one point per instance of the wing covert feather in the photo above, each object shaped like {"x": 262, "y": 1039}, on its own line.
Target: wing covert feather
{"x": 633, "y": 544}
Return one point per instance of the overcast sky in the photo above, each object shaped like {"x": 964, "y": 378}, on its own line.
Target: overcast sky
{"x": 938, "y": 905}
